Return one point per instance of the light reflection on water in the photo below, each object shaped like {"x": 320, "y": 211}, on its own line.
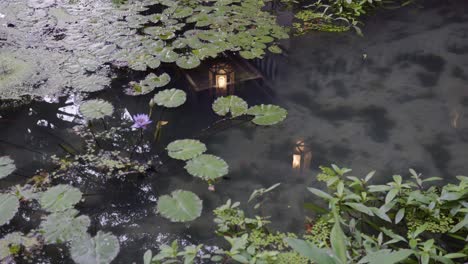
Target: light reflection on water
{"x": 401, "y": 105}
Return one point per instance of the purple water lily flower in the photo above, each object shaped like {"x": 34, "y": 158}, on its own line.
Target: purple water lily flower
{"x": 141, "y": 121}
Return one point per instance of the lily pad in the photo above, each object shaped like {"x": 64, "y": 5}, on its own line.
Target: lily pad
{"x": 28, "y": 242}
{"x": 95, "y": 109}
{"x": 266, "y": 115}
{"x": 188, "y": 62}
{"x": 170, "y": 98}
{"x": 275, "y": 49}
{"x": 152, "y": 80}
{"x": 230, "y": 104}
{"x": 207, "y": 167}
{"x": 60, "y": 198}
{"x": 181, "y": 206}
{"x": 168, "y": 55}
{"x": 182, "y": 12}
{"x": 9, "y": 205}
{"x": 101, "y": 249}
{"x": 7, "y": 166}
{"x": 185, "y": 149}
{"x": 64, "y": 226}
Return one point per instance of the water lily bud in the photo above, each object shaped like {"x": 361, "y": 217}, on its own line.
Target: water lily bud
{"x": 151, "y": 103}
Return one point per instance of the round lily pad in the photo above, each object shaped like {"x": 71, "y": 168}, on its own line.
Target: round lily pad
{"x": 207, "y": 167}
{"x": 170, "y": 98}
{"x": 60, "y": 198}
{"x": 180, "y": 206}
{"x": 230, "y": 104}
{"x": 101, "y": 249}
{"x": 266, "y": 115}
{"x": 64, "y": 226}
{"x": 7, "y": 166}
{"x": 185, "y": 149}
{"x": 95, "y": 109}
{"x": 188, "y": 62}
{"x": 9, "y": 205}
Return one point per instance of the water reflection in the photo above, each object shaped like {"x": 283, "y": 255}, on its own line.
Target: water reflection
{"x": 302, "y": 156}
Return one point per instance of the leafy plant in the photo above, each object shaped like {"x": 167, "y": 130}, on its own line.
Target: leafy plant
{"x": 96, "y": 109}
{"x": 181, "y": 206}
{"x": 7, "y": 166}
{"x": 101, "y": 249}
{"x": 185, "y": 149}
{"x": 60, "y": 198}
{"x": 170, "y": 98}
{"x": 208, "y": 167}
{"x": 267, "y": 115}
{"x": 232, "y": 104}
{"x": 9, "y": 205}
{"x": 64, "y": 226}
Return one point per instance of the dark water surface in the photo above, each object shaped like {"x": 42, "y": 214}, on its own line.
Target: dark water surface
{"x": 394, "y": 99}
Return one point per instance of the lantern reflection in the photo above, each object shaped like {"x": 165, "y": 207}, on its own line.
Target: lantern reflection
{"x": 302, "y": 156}
{"x": 221, "y": 77}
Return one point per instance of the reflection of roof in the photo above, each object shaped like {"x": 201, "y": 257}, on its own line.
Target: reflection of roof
{"x": 199, "y": 77}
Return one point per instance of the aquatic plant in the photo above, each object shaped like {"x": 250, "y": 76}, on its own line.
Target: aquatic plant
{"x": 232, "y": 104}
{"x": 147, "y": 85}
{"x": 7, "y": 166}
{"x": 96, "y": 109}
{"x": 64, "y": 226}
{"x": 9, "y": 205}
{"x": 101, "y": 249}
{"x": 60, "y": 198}
{"x": 185, "y": 149}
{"x": 170, "y": 98}
{"x": 141, "y": 121}
{"x": 208, "y": 167}
{"x": 180, "y": 206}
{"x": 267, "y": 115}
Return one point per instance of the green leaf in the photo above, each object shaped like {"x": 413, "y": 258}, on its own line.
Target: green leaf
{"x": 381, "y": 214}
{"x": 361, "y": 208}
{"x": 391, "y": 195}
{"x": 188, "y": 62}
{"x": 230, "y": 104}
{"x": 101, "y": 249}
{"x": 170, "y": 98}
{"x": 320, "y": 193}
{"x": 207, "y": 167}
{"x": 399, "y": 216}
{"x": 154, "y": 81}
{"x": 185, "y": 149}
{"x": 386, "y": 256}
{"x": 95, "y": 109}
{"x": 181, "y": 206}
{"x": 460, "y": 225}
{"x": 266, "y": 115}
{"x": 320, "y": 256}
{"x": 338, "y": 241}
{"x": 7, "y": 166}
{"x": 9, "y": 205}
{"x": 275, "y": 49}
{"x": 64, "y": 226}
{"x": 147, "y": 257}
{"x": 60, "y": 198}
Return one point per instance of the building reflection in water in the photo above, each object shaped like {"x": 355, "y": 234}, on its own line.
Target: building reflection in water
{"x": 302, "y": 156}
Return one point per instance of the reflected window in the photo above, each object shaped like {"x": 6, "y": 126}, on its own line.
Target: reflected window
{"x": 302, "y": 156}
{"x": 221, "y": 77}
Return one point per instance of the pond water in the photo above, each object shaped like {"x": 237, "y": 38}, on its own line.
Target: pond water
{"x": 394, "y": 99}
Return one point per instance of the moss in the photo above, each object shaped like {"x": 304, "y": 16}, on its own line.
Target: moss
{"x": 261, "y": 239}
{"x": 291, "y": 257}
{"x": 319, "y": 232}
{"x": 442, "y": 224}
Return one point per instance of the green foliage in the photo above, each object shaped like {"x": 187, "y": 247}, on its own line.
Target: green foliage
{"x": 60, "y": 198}
{"x": 95, "y": 109}
{"x": 208, "y": 167}
{"x": 181, "y": 206}
{"x": 101, "y": 249}
{"x": 185, "y": 149}
{"x": 170, "y": 98}
{"x": 64, "y": 226}
{"x": 232, "y": 104}
{"x": 147, "y": 85}
{"x": 13, "y": 243}
{"x": 9, "y": 205}
{"x": 267, "y": 115}
{"x": 7, "y": 166}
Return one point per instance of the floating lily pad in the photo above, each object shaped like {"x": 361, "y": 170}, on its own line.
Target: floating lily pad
{"x": 182, "y": 12}
{"x": 207, "y": 167}
{"x": 185, "y": 149}
{"x": 60, "y": 198}
{"x": 230, "y": 104}
{"x": 188, "y": 62}
{"x": 17, "y": 239}
{"x": 101, "y": 249}
{"x": 9, "y": 205}
{"x": 7, "y": 166}
{"x": 95, "y": 109}
{"x": 64, "y": 226}
{"x": 170, "y": 98}
{"x": 148, "y": 84}
{"x": 181, "y": 206}
{"x": 266, "y": 115}
{"x": 168, "y": 55}
{"x": 275, "y": 49}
